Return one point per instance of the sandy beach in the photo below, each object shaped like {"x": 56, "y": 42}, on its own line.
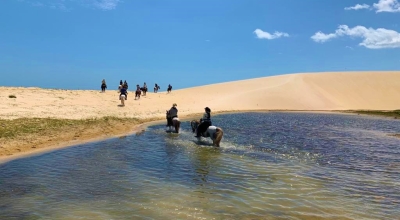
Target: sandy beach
{"x": 306, "y": 92}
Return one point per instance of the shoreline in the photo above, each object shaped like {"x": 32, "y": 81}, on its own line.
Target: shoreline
{"x": 34, "y": 119}
{"x": 136, "y": 129}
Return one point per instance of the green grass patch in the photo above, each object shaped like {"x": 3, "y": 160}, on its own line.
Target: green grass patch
{"x": 25, "y": 126}
{"x": 395, "y": 113}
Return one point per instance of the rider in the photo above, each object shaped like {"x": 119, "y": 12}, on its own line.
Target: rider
{"x": 137, "y": 87}
{"x": 103, "y": 85}
{"x": 173, "y": 112}
{"x": 123, "y": 91}
{"x": 144, "y": 85}
{"x": 205, "y": 122}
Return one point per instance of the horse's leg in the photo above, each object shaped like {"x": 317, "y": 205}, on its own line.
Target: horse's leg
{"x": 177, "y": 126}
{"x": 218, "y": 136}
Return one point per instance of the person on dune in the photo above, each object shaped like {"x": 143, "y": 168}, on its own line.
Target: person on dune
{"x": 123, "y": 91}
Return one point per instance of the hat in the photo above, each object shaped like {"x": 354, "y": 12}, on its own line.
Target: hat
{"x": 174, "y": 104}
{"x": 207, "y": 109}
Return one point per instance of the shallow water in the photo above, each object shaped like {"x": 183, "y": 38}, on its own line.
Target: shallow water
{"x": 269, "y": 166}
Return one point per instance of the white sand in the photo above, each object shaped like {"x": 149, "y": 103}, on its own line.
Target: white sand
{"x": 309, "y": 91}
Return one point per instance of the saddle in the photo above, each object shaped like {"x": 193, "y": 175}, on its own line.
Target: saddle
{"x": 209, "y": 132}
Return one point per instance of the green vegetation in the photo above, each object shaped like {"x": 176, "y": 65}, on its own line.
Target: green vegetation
{"x": 43, "y": 126}
{"x": 395, "y": 113}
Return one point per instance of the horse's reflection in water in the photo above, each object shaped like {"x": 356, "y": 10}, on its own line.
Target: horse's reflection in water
{"x": 173, "y": 122}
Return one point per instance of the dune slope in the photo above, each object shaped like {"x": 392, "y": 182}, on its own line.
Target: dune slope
{"x": 307, "y": 91}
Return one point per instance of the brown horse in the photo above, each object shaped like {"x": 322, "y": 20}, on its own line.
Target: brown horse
{"x": 156, "y": 88}
{"x": 137, "y": 94}
{"x": 144, "y": 90}
{"x": 213, "y": 132}
{"x": 173, "y": 122}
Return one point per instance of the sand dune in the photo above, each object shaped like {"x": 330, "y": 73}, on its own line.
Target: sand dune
{"x": 308, "y": 91}
{"x": 312, "y": 91}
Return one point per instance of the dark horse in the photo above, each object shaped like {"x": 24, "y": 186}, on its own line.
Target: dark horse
{"x": 156, "y": 88}
{"x": 137, "y": 94}
{"x": 169, "y": 89}
{"x": 213, "y": 132}
{"x": 103, "y": 87}
{"x": 173, "y": 122}
{"x": 144, "y": 90}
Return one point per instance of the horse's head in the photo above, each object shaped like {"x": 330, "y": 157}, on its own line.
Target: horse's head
{"x": 194, "y": 125}
{"x": 167, "y": 114}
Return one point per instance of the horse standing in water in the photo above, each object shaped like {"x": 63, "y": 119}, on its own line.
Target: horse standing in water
{"x": 173, "y": 122}
{"x": 213, "y": 132}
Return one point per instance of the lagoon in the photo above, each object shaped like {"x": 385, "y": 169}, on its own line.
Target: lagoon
{"x": 274, "y": 165}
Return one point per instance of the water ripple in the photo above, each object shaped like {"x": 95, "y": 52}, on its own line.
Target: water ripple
{"x": 269, "y": 166}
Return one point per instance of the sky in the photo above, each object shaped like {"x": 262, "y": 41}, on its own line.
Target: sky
{"x": 74, "y": 44}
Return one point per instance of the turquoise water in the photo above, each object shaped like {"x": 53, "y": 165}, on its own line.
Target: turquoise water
{"x": 269, "y": 166}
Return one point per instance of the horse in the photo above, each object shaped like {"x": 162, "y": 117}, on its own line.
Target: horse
{"x": 173, "y": 122}
{"x": 213, "y": 132}
{"x": 156, "y": 88}
{"x": 122, "y": 98}
{"x": 137, "y": 94}
{"x": 144, "y": 90}
{"x": 169, "y": 89}
{"x": 103, "y": 87}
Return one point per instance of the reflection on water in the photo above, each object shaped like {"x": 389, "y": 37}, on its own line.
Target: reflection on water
{"x": 269, "y": 166}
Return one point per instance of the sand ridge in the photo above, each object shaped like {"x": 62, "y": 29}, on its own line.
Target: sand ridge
{"x": 309, "y": 91}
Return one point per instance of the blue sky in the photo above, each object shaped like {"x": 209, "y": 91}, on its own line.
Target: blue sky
{"x": 74, "y": 44}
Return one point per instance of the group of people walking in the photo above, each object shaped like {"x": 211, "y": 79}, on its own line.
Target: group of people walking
{"x": 205, "y": 121}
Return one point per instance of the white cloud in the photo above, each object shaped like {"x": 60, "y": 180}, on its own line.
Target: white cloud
{"x": 381, "y": 6}
{"x": 106, "y": 4}
{"x": 265, "y": 35}
{"x": 348, "y": 47}
{"x": 387, "y": 6}
{"x": 372, "y": 38}
{"x": 357, "y": 7}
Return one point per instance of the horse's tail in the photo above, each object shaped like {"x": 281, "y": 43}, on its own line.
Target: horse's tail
{"x": 218, "y": 136}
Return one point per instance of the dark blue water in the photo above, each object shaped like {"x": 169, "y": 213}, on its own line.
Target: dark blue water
{"x": 269, "y": 166}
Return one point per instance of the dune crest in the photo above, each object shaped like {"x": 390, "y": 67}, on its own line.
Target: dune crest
{"x": 306, "y": 91}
